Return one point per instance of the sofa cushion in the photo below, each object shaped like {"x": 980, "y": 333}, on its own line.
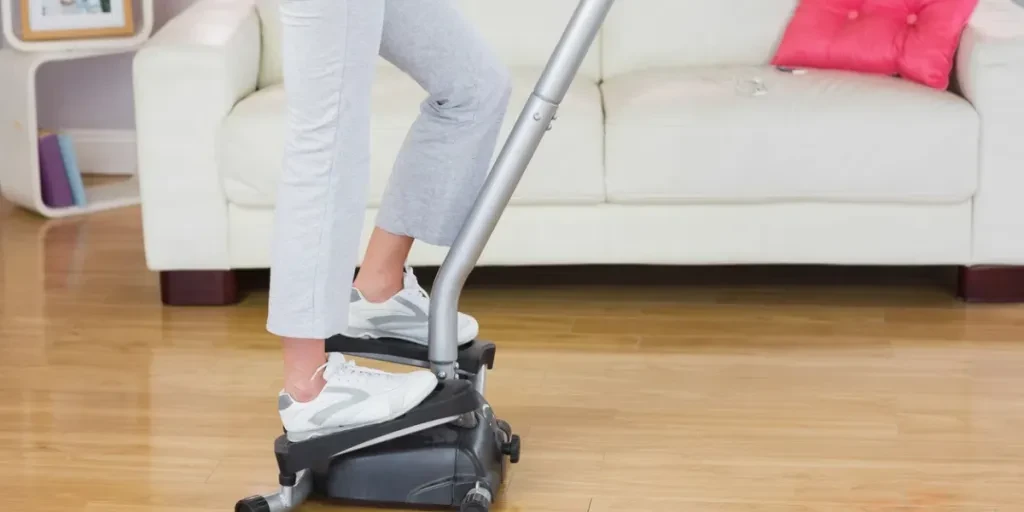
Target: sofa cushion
{"x": 567, "y": 168}
{"x": 716, "y": 135}
{"x": 522, "y": 33}
{"x": 916, "y": 39}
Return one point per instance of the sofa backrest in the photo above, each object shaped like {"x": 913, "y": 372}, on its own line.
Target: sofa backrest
{"x": 522, "y": 32}
{"x": 638, "y": 34}
{"x": 641, "y": 34}
{"x": 270, "y": 32}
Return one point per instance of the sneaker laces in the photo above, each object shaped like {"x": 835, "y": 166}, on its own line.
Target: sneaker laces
{"x": 410, "y": 282}
{"x": 345, "y": 369}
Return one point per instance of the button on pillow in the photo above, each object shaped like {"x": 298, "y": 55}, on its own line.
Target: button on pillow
{"x": 914, "y": 39}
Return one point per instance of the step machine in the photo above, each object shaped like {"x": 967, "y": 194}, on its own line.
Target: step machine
{"x": 451, "y": 451}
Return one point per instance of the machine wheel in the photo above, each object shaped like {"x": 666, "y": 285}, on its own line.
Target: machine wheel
{"x": 505, "y": 427}
{"x": 252, "y": 504}
{"x": 511, "y": 448}
{"x": 475, "y": 502}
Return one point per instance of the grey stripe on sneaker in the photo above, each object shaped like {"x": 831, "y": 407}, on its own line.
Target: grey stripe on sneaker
{"x": 355, "y": 396}
{"x": 284, "y": 402}
{"x": 418, "y": 316}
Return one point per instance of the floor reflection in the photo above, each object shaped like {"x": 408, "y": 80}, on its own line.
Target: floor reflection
{"x": 757, "y": 397}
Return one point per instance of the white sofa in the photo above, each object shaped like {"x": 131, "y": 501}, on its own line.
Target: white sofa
{"x": 662, "y": 152}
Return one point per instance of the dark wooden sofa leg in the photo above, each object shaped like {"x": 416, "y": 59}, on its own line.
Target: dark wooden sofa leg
{"x": 991, "y": 284}
{"x": 199, "y": 287}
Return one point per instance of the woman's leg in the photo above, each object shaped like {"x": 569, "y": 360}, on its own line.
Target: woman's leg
{"x": 441, "y": 166}
{"x": 330, "y": 53}
{"x": 380, "y": 276}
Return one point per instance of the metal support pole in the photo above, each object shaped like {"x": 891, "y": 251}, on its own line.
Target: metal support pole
{"x": 508, "y": 169}
{"x": 289, "y": 498}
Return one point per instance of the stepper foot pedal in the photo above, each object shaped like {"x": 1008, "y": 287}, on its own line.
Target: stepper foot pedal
{"x": 451, "y": 399}
{"x": 473, "y": 356}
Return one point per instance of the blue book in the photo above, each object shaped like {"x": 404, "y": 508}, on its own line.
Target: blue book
{"x": 67, "y": 151}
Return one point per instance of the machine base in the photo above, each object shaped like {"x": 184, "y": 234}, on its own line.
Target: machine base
{"x": 456, "y": 465}
{"x": 445, "y": 466}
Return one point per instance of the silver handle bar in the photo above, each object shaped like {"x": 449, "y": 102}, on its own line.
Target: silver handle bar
{"x": 501, "y": 182}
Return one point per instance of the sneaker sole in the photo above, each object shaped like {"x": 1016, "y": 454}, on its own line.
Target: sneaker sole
{"x": 367, "y": 334}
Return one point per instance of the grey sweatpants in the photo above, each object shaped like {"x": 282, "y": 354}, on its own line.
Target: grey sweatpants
{"x": 330, "y": 51}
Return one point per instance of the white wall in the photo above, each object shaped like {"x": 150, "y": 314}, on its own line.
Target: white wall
{"x": 94, "y": 93}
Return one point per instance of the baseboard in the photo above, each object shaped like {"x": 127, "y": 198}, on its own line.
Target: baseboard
{"x": 105, "y": 151}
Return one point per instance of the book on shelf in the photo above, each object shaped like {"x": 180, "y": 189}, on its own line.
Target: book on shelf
{"x": 60, "y": 177}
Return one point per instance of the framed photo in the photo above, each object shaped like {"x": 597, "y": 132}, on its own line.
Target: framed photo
{"x": 75, "y": 19}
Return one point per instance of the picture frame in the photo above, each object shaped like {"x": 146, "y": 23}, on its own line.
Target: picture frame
{"x": 48, "y": 20}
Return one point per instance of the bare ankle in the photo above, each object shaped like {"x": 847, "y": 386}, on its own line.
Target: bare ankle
{"x": 302, "y": 359}
{"x": 304, "y": 390}
{"x": 378, "y": 285}
{"x": 381, "y": 274}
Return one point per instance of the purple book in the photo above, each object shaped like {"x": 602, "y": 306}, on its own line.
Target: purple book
{"x": 52, "y": 175}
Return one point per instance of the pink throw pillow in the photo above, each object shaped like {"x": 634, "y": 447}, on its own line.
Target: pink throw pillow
{"x": 915, "y": 39}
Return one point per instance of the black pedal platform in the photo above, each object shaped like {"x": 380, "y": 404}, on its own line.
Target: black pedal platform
{"x": 472, "y": 356}
{"x": 450, "y": 398}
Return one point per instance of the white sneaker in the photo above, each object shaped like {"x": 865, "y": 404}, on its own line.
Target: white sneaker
{"x": 403, "y": 316}
{"x": 354, "y": 396}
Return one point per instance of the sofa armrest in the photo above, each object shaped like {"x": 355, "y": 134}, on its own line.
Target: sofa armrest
{"x": 990, "y": 73}
{"x": 187, "y": 79}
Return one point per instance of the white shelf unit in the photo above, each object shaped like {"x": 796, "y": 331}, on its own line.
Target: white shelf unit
{"x": 19, "y": 137}
{"x": 145, "y": 28}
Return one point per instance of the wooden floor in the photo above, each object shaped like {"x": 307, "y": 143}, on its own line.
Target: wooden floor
{"x": 757, "y": 397}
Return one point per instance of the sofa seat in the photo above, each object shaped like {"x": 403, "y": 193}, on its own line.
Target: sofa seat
{"x": 567, "y": 169}
{"x": 706, "y": 135}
